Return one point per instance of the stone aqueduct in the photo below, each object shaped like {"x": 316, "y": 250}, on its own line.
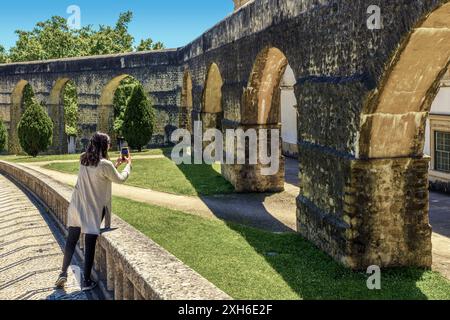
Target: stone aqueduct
{"x": 363, "y": 99}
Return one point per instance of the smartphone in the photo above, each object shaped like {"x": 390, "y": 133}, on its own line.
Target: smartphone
{"x": 125, "y": 153}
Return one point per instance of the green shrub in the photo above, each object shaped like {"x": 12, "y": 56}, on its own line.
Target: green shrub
{"x": 139, "y": 119}
{"x": 70, "y": 109}
{"x": 3, "y": 136}
{"x": 35, "y": 129}
{"x": 121, "y": 97}
{"x": 27, "y": 97}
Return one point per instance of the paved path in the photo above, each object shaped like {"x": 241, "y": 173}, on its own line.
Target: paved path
{"x": 135, "y": 157}
{"x": 273, "y": 212}
{"x": 440, "y": 220}
{"x": 30, "y": 250}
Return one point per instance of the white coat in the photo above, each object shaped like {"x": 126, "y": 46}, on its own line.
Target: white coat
{"x": 93, "y": 195}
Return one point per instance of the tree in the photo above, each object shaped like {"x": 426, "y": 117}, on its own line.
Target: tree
{"x": 27, "y": 97}
{"x": 121, "y": 97}
{"x": 149, "y": 45}
{"x": 35, "y": 129}
{"x": 3, "y": 55}
{"x": 70, "y": 109}
{"x": 53, "y": 39}
{"x": 139, "y": 119}
{"x": 3, "y": 136}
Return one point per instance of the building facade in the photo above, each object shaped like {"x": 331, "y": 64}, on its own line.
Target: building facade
{"x": 437, "y": 144}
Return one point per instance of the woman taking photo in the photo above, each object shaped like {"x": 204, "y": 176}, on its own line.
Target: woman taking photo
{"x": 91, "y": 203}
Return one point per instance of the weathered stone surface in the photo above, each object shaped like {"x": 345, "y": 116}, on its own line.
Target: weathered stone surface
{"x": 249, "y": 177}
{"x": 384, "y": 220}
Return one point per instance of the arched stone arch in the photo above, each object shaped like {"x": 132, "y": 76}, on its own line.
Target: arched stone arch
{"x": 388, "y": 189}
{"x": 56, "y": 112}
{"x": 106, "y": 106}
{"x": 261, "y": 110}
{"x": 261, "y": 101}
{"x": 212, "y": 109}
{"x": 393, "y": 121}
{"x": 15, "y": 115}
{"x": 186, "y": 102}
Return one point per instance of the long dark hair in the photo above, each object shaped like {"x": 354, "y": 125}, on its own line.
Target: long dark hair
{"x": 97, "y": 148}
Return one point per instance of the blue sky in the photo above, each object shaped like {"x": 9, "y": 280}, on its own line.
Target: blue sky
{"x": 174, "y": 22}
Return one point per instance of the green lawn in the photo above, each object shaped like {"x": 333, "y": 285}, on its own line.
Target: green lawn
{"x": 248, "y": 263}
{"x": 164, "y": 175}
{"x": 113, "y": 155}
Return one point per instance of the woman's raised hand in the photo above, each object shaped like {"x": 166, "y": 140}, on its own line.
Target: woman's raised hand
{"x": 119, "y": 162}
{"x": 128, "y": 159}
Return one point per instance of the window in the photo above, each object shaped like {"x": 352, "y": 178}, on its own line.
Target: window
{"x": 442, "y": 151}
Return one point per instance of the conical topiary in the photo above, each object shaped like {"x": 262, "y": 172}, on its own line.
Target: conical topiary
{"x": 139, "y": 119}
{"x": 35, "y": 129}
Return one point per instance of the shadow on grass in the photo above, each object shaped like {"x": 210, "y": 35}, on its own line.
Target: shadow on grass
{"x": 313, "y": 275}
{"x": 219, "y": 196}
{"x": 249, "y": 263}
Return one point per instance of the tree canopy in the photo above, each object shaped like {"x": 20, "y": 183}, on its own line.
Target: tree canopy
{"x": 70, "y": 101}
{"x": 53, "y": 39}
{"x": 121, "y": 97}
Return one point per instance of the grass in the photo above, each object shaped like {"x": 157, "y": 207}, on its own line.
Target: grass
{"x": 165, "y": 176}
{"x": 45, "y": 158}
{"x": 248, "y": 263}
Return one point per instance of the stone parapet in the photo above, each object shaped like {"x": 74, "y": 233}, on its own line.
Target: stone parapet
{"x": 132, "y": 266}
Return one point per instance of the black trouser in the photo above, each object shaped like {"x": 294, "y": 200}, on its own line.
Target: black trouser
{"x": 89, "y": 251}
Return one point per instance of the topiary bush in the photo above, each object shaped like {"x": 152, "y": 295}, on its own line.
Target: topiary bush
{"x": 27, "y": 96}
{"x": 3, "y": 136}
{"x": 121, "y": 98}
{"x": 139, "y": 119}
{"x": 35, "y": 129}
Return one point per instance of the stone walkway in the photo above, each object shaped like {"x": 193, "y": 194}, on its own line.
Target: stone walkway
{"x": 30, "y": 250}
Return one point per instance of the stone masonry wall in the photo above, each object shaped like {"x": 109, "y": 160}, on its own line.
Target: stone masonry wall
{"x": 157, "y": 71}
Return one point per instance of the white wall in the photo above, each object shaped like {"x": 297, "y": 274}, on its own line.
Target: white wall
{"x": 427, "y": 149}
{"x": 288, "y": 108}
{"x": 440, "y": 106}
